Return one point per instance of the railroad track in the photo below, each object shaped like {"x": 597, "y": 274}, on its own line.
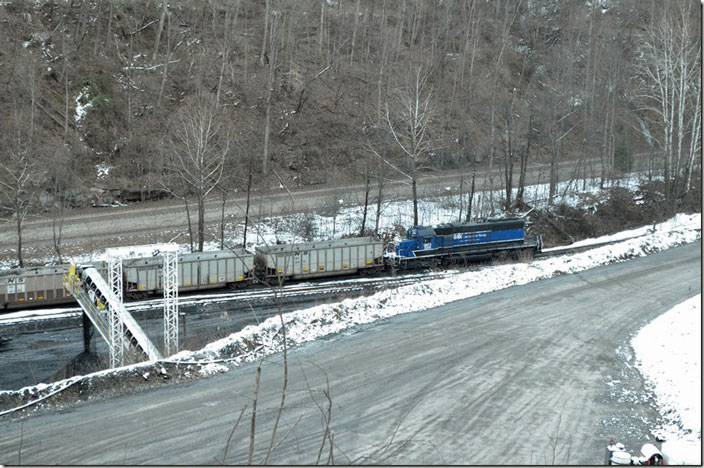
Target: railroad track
{"x": 296, "y": 292}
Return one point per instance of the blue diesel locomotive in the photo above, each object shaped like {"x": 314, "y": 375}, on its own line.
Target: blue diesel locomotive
{"x": 452, "y": 242}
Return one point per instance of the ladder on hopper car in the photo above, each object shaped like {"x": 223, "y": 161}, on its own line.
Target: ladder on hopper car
{"x": 126, "y": 339}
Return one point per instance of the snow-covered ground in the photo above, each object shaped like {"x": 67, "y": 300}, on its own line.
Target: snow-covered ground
{"x": 255, "y": 342}
{"x": 668, "y": 352}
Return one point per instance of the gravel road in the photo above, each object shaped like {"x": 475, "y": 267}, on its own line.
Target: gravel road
{"x": 496, "y": 379}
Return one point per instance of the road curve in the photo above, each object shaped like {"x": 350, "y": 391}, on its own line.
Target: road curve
{"x": 495, "y": 379}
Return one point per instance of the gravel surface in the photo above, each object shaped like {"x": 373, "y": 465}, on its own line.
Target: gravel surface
{"x": 501, "y": 378}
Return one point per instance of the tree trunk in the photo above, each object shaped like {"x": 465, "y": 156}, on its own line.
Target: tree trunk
{"x": 225, "y": 54}
{"x": 695, "y": 143}
{"x": 267, "y": 130}
{"x": 190, "y": 225}
{"x": 459, "y": 218}
{"x": 378, "y": 197}
{"x": 508, "y": 166}
{"x": 269, "y": 91}
{"x": 158, "y": 32}
{"x": 246, "y": 210}
{"x": 471, "y": 194}
{"x": 65, "y": 62}
{"x": 99, "y": 22}
{"x": 201, "y": 222}
{"x": 489, "y": 177}
{"x": 19, "y": 238}
{"x": 266, "y": 31}
{"x": 169, "y": 54}
{"x": 602, "y": 152}
{"x": 524, "y": 162}
{"x": 366, "y": 204}
{"x": 108, "y": 33}
{"x": 321, "y": 28}
{"x": 553, "y": 172}
{"x": 57, "y": 223}
{"x": 222, "y": 220}
{"x": 354, "y": 33}
{"x": 415, "y": 200}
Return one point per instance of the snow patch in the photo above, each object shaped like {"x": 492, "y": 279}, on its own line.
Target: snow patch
{"x": 212, "y": 369}
{"x": 668, "y": 355}
{"x": 103, "y": 170}
{"x": 82, "y": 105}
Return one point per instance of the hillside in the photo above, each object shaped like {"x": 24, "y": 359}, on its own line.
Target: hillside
{"x": 97, "y": 91}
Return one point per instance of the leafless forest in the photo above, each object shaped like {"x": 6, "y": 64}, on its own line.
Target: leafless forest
{"x": 204, "y": 99}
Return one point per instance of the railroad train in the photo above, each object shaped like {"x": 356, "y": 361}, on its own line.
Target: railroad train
{"x": 423, "y": 247}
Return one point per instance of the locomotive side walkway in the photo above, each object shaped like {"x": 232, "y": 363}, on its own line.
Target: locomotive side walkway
{"x": 495, "y": 379}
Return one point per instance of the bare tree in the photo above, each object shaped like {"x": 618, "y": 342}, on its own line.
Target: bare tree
{"x": 509, "y": 150}
{"x": 161, "y": 28}
{"x": 200, "y": 144}
{"x": 223, "y": 203}
{"x": 525, "y": 154}
{"x": 555, "y": 112}
{"x": 273, "y": 54}
{"x": 409, "y": 128}
{"x": 381, "y": 174}
{"x": 470, "y": 198}
{"x": 367, "y": 175}
{"x": 250, "y": 173}
{"x": 267, "y": 12}
{"x": 20, "y": 176}
{"x": 511, "y": 141}
{"x": 670, "y": 68}
{"x": 61, "y": 188}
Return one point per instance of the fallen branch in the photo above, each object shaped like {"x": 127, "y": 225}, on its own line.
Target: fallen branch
{"x": 143, "y": 27}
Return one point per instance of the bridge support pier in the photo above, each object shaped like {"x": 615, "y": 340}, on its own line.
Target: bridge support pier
{"x": 87, "y": 333}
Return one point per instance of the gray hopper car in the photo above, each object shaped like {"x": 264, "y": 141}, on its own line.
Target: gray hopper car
{"x": 320, "y": 259}
{"x": 34, "y": 286}
{"x": 198, "y": 270}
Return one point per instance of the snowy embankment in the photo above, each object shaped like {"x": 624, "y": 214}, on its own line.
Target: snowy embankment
{"x": 255, "y": 342}
{"x": 668, "y": 352}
